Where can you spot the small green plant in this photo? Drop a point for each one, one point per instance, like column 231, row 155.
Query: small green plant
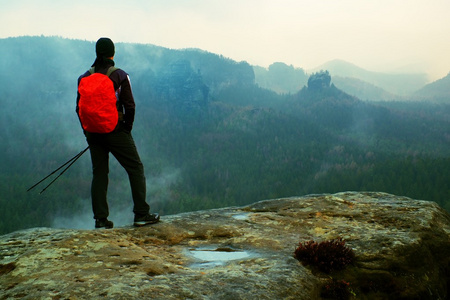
column 326, row 256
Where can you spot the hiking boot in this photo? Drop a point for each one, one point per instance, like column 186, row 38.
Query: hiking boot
column 104, row 223
column 146, row 219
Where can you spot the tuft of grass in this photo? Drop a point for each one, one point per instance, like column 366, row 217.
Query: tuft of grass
column 327, row 256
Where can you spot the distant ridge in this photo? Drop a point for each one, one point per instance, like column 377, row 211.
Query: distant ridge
column 438, row 91
column 362, row 89
column 395, row 83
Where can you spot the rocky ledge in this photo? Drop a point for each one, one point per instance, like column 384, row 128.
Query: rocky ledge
column 401, row 249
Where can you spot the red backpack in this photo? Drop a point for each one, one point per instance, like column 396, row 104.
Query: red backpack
column 98, row 102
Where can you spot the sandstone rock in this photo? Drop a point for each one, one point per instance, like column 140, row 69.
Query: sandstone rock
column 401, row 248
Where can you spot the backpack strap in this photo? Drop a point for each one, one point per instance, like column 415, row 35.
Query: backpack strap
column 108, row 73
column 111, row 70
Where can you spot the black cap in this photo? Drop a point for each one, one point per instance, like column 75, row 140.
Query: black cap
column 104, row 48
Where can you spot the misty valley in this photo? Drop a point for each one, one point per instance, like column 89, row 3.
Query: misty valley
column 213, row 132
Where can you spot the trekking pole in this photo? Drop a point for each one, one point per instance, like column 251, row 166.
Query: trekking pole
column 70, row 162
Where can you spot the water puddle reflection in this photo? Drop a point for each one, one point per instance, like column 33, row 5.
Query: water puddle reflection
column 212, row 257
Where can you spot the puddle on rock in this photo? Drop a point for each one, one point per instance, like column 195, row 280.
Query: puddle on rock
column 209, row 258
column 242, row 216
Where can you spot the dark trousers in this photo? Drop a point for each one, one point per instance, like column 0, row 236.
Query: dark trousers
column 121, row 144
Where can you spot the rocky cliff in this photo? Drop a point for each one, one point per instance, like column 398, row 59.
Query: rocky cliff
column 400, row 245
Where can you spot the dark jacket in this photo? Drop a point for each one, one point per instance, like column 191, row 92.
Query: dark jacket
column 122, row 86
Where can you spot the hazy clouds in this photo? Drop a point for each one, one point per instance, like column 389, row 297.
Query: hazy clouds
column 383, row 35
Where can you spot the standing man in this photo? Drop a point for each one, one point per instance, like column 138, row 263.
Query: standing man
column 117, row 140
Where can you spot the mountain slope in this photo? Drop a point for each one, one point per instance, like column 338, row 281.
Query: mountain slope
column 363, row 90
column 280, row 78
column 437, row 91
column 399, row 84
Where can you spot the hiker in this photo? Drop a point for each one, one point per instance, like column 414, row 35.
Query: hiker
column 116, row 139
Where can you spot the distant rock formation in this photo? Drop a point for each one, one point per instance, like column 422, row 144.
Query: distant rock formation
column 320, row 80
column 401, row 249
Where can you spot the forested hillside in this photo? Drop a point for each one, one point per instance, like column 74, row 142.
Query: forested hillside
column 208, row 135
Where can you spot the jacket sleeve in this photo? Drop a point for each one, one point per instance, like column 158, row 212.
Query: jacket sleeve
column 126, row 99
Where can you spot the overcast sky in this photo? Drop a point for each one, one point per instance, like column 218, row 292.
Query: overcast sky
column 378, row 35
